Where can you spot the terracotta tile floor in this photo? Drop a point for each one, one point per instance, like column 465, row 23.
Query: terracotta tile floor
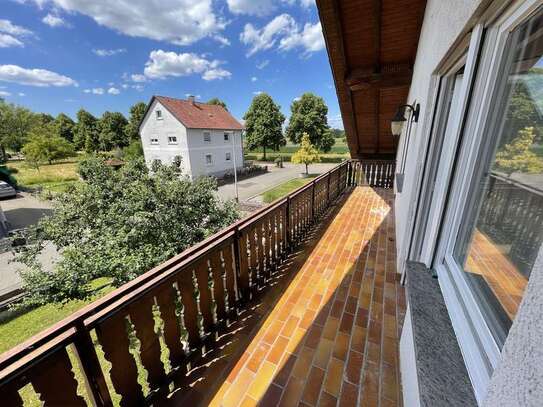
column 327, row 333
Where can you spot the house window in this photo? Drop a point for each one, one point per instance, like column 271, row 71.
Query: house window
column 172, row 140
column 226, row 136
column 502, row 233
column 154, row 140
column 158, row 114
column 209, row 159
column 228, row 156
column 207, row 137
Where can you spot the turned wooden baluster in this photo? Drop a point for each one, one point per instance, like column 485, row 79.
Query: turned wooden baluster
column 190, row 308
column 202, row 277
column 113, row 337
column 243, row 281
column 230, row 277
column 266, row 261
column 273, row 238
column 217, row 272
column 166, row 297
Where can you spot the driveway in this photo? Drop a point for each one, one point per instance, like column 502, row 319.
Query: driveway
column 21, row 212
column 251, row 187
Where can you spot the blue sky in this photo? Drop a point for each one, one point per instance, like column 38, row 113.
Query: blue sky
column 61, row 55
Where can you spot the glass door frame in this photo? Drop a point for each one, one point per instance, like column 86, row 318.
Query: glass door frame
column 480, row 351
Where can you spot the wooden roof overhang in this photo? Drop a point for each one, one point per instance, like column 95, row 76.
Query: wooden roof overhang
column 372, row 45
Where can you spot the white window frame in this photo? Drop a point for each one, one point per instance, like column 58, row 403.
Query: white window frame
column 158, row 114
column 208, row 164
column 207, row 133
column 172, row 142
column 154, row 141
column 480, row 351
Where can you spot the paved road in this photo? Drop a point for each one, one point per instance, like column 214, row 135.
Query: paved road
column 21, row 212
column 259, row 184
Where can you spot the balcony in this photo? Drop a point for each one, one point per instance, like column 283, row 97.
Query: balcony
column 298, row 304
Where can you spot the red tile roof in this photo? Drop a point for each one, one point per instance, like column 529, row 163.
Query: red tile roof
column 200, row 115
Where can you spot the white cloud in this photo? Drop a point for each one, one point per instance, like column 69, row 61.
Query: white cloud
column 310, row 39
column 95, row 91
column 296, row 99
column 108, row 52
column 125, row 85
column 284, row 30
column 34, row 77
column 139, row 88
column 4, row 94
column 180, row 22
column 263, row 64
column 254, row 79
column 307, row 3
column 8, row 27
column 11, row 35
column 162, row 64
column 258, row 92
column 7, row 41
column 138, row 77
column 191, row 94
column 21, row 94
column 113, row 91
column 222, row 40
column 266, row 37
column 252, row 7
column 54, row 20
column 335, row 121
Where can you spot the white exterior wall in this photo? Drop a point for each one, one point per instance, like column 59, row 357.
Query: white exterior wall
column 190, row 145
column 217, row 147
column 162, row 129
column 443, row 23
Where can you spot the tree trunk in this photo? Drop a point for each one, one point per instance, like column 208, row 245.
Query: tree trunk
column 264, row 150
column 307, row 169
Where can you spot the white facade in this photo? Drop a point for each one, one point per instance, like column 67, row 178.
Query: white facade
column 164, row 138
column 456, row 80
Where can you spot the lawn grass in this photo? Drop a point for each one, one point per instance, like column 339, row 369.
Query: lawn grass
column 284, row 188
column 54, row 177
column 338, row 153
column 18, row 326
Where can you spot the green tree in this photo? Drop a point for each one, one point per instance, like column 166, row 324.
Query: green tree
column 15, row 124
column 43, row 118
column 217, row 101
column 523, row 111
column 133, row 151
column 111, row 131
column 64, row 126
column 264, row 124
column 86, row 132
column 137, row 111
column 44, row 146
column 309, row 115
column 517, row 156
column 306, row 154
column 119, row 224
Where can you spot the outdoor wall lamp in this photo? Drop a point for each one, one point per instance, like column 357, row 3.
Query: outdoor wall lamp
column 396, row 126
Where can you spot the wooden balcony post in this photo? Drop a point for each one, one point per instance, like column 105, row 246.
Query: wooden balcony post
column 86, row 352
column 287, row 223
column 312, row 201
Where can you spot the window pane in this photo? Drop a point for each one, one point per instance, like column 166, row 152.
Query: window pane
column 500, row 244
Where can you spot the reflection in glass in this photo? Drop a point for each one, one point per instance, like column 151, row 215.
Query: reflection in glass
column 506, row 232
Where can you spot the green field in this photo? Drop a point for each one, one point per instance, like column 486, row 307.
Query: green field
column 338, row 153
column 55, row 177
column 285, row 188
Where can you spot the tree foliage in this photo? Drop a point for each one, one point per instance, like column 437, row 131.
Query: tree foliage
column 264, row 124
column 86, row 132
column 217, row 101
column 44, row 146
column 133, row 151
column 306, row 154
column 111, row 131
column 15, row 124
column 119, row 224
column 137, row 111
column 64, row 127
column 309, row 115
column 517, row 155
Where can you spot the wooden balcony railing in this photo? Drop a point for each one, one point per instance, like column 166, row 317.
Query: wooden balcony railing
column 375, row 173
column 194, row 295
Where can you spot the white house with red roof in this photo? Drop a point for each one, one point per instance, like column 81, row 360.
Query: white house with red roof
column 207, row 138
